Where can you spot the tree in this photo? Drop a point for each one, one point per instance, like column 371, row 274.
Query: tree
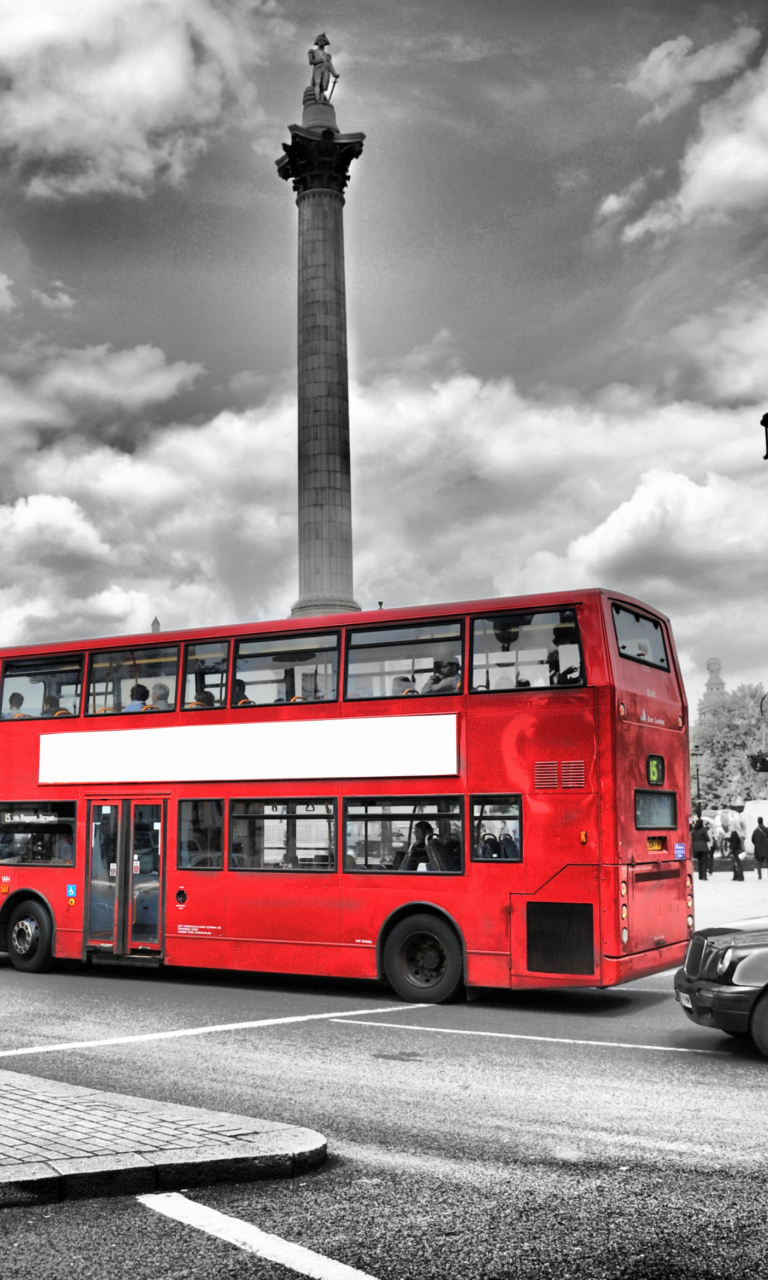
column 727, row 735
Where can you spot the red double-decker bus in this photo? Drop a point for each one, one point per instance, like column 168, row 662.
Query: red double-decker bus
column 494, row 792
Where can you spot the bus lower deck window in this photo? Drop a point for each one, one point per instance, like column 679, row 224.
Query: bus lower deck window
column 201, row 834
column 497, row 829
column 402, row 835
column 526, row 651
column 38, row 832
column 282, row 835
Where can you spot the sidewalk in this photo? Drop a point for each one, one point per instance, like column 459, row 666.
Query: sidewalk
column 720, row 899
column 59, row 1140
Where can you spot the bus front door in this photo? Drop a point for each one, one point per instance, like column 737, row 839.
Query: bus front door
column 126, row 846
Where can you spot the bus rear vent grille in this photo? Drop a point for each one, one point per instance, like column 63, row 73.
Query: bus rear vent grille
column 560, row 937
column 572, row 773
column 545, row 773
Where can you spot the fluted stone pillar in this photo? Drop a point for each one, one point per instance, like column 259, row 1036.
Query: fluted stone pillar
column 317, row 161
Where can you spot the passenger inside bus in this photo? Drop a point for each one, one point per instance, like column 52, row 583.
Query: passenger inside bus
column 139, row 696
column 52, row 707
column 240, row 697
column 160, row 695
column 203, row 702
column 445, row 678
column 15, row 703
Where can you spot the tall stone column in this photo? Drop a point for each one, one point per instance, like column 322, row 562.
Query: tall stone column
column 317, row 161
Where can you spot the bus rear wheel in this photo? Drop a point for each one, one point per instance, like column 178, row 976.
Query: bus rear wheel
column 422, row 959
column 29, row 938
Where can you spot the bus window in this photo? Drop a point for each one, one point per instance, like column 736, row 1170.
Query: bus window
column 496, row 829
column 396, row 661
column 655, row 809
column 282, row 835
column 38, row 833
column 133, row 680
column 525, row 651
column 640, row 638
column 295, row 668
column 42, row 688
column 404, row 835
column 201, row 834
column 205, row 676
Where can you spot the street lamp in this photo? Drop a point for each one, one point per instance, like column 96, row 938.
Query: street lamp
column 697, row 753
column 759, row 761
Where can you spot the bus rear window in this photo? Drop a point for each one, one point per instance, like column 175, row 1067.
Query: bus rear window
column 655, row 809
column 640, row 638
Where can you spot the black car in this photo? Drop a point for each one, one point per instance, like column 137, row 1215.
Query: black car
column 724, row 981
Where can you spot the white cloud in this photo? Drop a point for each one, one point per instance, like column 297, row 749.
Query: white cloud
column 58, row 301
column 725, row 168
column 729, row 345
column 50, row 384
column 462, row 488
column 7, row 300
column 669, row 75
column 116, row 95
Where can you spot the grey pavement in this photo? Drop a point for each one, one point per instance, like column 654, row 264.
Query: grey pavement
column 59, row 1141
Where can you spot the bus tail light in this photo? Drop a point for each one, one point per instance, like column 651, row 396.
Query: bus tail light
column 689, row 900
column 624, row 912
column 690, row 922
column 623, row 888
column 625, row 935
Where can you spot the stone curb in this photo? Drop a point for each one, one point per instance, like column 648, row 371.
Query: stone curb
column 282, row 1154
column 235, row 1148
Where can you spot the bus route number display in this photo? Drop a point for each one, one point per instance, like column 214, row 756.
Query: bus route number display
column 654, row 771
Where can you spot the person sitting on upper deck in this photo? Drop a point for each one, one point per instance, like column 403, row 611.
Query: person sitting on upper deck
column 139, row 696
column 160, row 694
column 403, row 685
column 52, row 708
column 445, row 678
column 15, row 703
column 203, row 701
column 240, row 697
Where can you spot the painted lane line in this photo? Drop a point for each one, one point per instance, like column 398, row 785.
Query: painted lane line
column 245, row 1236
column 197, row 1031
column 510, row 1035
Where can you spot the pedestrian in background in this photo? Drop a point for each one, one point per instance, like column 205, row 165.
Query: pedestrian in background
column 734, row 843
column 760, row 842
column 700, row 847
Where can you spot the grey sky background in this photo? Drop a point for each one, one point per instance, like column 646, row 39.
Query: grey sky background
column 557, row 283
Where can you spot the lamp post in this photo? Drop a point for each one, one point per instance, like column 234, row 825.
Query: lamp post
column 697, row 753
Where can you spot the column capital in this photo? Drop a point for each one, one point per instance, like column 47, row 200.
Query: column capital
column 318, row 161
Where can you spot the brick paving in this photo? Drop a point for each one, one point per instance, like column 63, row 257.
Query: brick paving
column 59, row 1140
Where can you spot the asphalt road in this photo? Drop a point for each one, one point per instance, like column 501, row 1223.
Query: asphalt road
column 563, row 1134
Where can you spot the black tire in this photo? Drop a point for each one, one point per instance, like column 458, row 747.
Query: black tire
column 758, row 1024
column 29, row 938
column 422, row 959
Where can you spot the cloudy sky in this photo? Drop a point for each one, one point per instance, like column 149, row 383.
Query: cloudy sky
column 557, row 276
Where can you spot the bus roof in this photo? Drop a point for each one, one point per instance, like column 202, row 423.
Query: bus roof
column 496, row 604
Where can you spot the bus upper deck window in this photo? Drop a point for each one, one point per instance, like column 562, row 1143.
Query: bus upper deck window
column 640, row 638
column 205, row 675
column 395, row 662
column 293, row 668
column 133, row 680
column 526, row 651
column 44, row 688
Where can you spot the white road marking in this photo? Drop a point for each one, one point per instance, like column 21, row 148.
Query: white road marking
column 245, row 1236
column 511, row 1035
column 197, row 1031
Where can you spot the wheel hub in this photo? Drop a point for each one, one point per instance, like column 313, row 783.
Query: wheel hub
column 425, row 961
column 25, row 936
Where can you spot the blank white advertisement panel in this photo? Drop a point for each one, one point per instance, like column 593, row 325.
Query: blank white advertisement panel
column 387, row 746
